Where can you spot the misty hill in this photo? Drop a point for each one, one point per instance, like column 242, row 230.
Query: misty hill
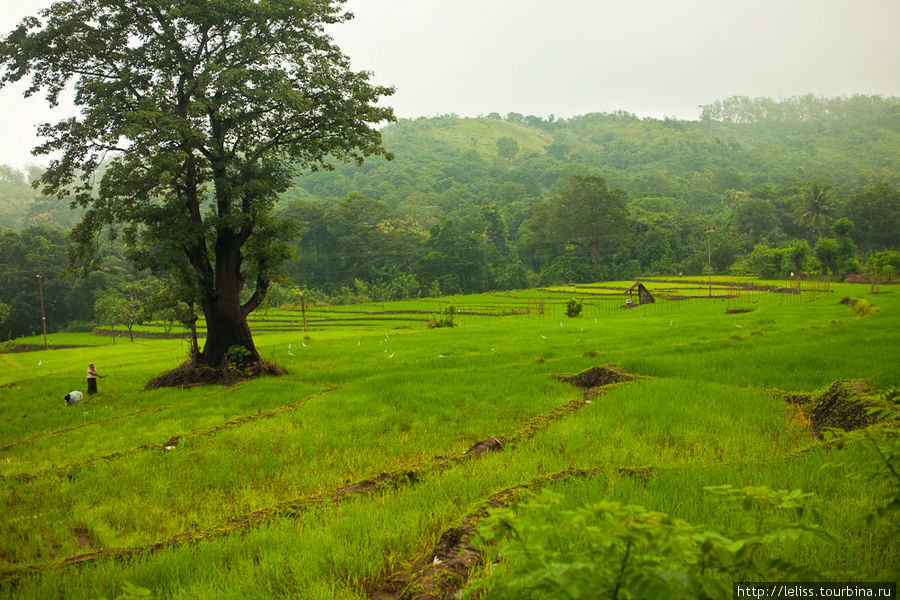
column 447, row 162
column 754, row 187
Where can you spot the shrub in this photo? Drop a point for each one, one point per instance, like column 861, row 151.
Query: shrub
column 237, row 355
column 573, row 308
column 447, row 318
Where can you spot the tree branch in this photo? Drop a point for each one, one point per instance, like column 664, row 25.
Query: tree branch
column 259, row 294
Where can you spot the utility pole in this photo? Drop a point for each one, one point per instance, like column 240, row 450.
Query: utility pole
column 40, row 278
column 303, row 309
column 709, row 258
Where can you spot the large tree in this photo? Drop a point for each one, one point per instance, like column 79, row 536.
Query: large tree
column 591, row 216
column 195, row 115
column 875, row 211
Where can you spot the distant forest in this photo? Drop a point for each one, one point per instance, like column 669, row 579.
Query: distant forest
column 808, row 185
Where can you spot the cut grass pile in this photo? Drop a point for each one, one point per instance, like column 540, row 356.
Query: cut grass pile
column 268, row 478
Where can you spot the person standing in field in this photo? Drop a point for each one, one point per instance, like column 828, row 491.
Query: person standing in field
column 92, row 376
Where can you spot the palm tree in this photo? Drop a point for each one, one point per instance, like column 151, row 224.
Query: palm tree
column 816, row 208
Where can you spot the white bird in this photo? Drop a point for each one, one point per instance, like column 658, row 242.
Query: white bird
column 544, row 336
column 40, row 362
column 441, row 356
column 391, row 356
column 302, row 344
column 736, row 325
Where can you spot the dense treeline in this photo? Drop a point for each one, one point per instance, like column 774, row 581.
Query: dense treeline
column 756, row 186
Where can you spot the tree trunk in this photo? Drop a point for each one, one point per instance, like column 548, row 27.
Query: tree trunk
column 226, row 324
column 226, row 317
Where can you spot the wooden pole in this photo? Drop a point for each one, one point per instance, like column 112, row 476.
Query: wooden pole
column 303, row 309
column 709, row 258
column 40, row 278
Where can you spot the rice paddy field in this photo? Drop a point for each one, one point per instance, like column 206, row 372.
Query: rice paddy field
column 346, row 476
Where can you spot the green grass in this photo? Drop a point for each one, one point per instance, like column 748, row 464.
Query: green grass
column 376, row 396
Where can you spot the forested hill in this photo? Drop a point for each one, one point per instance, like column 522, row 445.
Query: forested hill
column 446, row 164
column 807, row 185
column 739, row 144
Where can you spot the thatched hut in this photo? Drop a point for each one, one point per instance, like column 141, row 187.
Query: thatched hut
column 644, row 295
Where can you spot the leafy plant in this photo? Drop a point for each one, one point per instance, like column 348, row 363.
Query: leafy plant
column 573, row 308
column 447, row 318
column 237, row 356
column 608, row 550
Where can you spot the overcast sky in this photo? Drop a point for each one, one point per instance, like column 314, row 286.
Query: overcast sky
column 654, row 58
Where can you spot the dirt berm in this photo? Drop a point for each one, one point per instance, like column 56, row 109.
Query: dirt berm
column 597, row 376
column 843, row 406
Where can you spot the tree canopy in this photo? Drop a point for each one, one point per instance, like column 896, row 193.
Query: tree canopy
column 194, row 118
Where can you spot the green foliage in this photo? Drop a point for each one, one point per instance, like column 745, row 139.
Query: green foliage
column 798, row 254
column 875, row 212
column 192, row 122
column 133, row 592
column 569, row 267
column 237, row 356
column 768, row 263
column 815, row 208
column 604, row 549
column 826, row 252
column 743, row 109
column 860, row 306
column 883, row 439
column 696, row 172
column 573, row 308
column 447, row 318
column 725, row 247
column 23, row 255
column 21, row 206
column 450, row 215
column 127, row 308
column 842, row 227
column 886, row 258
column 354, row 238
column 507, row 147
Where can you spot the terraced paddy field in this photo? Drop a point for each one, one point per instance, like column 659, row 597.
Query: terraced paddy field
column 365, row 471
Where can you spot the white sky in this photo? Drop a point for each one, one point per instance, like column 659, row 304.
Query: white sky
column 568, row 57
